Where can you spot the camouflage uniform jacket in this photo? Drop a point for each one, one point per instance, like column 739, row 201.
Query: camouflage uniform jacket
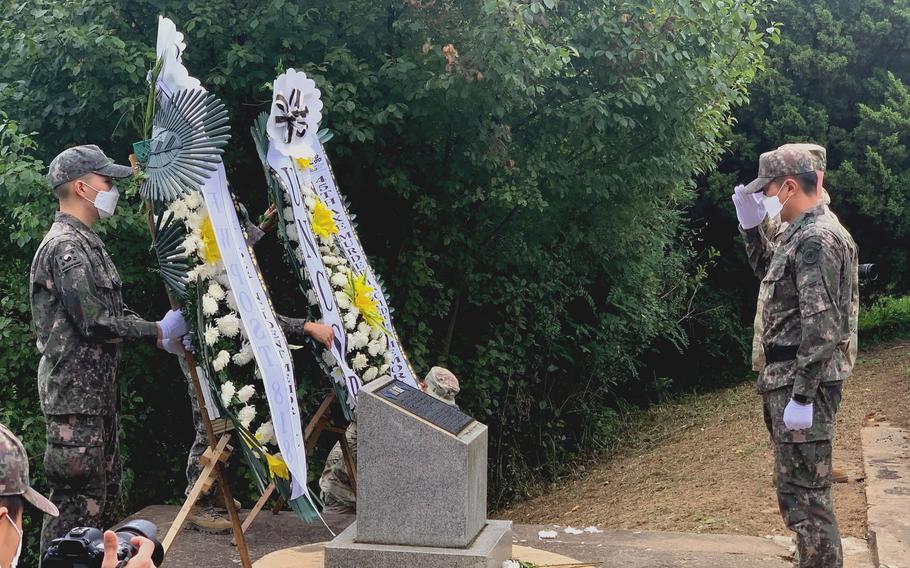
column 773, row 229
column 79, row 317
column 811, row 278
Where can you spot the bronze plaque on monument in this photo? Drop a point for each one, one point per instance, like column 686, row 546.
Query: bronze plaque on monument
column 420, row 404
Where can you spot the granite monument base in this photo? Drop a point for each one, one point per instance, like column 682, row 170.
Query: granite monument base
column 489, row 549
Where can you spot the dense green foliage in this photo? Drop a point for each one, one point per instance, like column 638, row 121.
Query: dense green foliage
column 520, row 169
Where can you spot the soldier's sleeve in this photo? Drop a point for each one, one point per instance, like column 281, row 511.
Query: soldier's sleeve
column 818, row 264
column 292, row 328
column 758, row 248
column 86, row 305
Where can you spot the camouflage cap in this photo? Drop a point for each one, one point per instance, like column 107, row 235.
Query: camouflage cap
column 77, row 161
column 442, row 384
column 787, row 160
column 14, row 473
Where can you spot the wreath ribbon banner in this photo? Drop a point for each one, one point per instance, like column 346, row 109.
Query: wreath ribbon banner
column 313, row 264
column 270, row 348
column 323, row 182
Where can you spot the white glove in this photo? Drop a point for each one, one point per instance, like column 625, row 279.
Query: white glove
column 172, row 325
column 173, row 345
column 798, row 416
column 750, row 210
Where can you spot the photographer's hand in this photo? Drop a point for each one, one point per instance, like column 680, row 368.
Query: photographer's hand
column 143, row 558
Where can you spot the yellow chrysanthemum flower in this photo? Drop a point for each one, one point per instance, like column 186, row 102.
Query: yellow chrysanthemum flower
column 304, row 163
column 210, row 252
column 277, row 466
column 361, row 296
column 323, row 222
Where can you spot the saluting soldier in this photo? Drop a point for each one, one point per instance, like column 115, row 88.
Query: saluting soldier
column 81, row 322
column 810, row 279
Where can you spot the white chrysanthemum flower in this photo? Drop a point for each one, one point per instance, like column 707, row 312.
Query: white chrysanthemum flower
column 327, row 240
column 292, row 233
column 364, row 327
column 338, row 279
column 308, row 192
column 221, row 360
column 193, row 200
column 328, row 358
column 244, row 356
column 231, row 300
column 246, row 415
column 227, row 393
column 376, row 332
column 384, row 368
column 229, row 325
column 361, row 340
column 221, row 275
column 370, row 374
column 374, row 348
column 189, row 245
column 343, row 301
column 387, row 357
column 324, row 250
column 288, row 214
column 265, row 433
column 211, row 335
column 193, row 274
column 209, row 305
column 350, row 320
column 311, row 297
column 329, row 260
column 193, row 222
column 246, row 393
column 179, row 209
column 359, row 362
column 216, row 291
column 310, row 202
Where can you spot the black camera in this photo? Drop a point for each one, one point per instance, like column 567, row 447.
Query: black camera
column 868, row 272
column 83, row 547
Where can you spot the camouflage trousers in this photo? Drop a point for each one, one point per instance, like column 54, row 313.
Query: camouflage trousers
column 200, row 443
column 83, row 468
column 335, row 487
column 803, row 471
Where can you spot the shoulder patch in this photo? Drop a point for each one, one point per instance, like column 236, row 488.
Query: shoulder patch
column 68, row 260
column 811, row 251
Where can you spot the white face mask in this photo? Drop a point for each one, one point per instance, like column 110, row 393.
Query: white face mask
column 105, row 201
column 773, row 205
column 15, row 561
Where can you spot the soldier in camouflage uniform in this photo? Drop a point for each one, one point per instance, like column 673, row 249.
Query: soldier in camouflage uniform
column 812, row 280
column 337, row 494
column 14, row 491
column 81, row 323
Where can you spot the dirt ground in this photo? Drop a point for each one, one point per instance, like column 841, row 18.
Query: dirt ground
column 704, row 463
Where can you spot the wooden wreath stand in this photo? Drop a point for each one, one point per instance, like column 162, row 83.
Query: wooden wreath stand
column 318, row 425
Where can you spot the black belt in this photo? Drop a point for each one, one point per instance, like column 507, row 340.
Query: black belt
column 780, row 353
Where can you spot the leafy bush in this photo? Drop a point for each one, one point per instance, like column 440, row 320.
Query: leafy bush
column 887, row 318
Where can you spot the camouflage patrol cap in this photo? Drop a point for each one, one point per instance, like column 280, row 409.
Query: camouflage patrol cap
column 77, row 161
column 442, row 385
column 819, row 154
column 787, row 160
column 14, row 473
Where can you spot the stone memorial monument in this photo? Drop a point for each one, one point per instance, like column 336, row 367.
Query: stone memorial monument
column 421, row 487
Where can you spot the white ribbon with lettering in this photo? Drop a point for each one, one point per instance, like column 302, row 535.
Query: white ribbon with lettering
column 273, row 358
column 323, row 181
column 331, row 314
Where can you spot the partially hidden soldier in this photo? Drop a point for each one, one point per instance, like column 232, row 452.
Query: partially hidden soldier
column 206, row 514
column 81, row 323
column 774, row 228
column 336, row 490
column 811, row 283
